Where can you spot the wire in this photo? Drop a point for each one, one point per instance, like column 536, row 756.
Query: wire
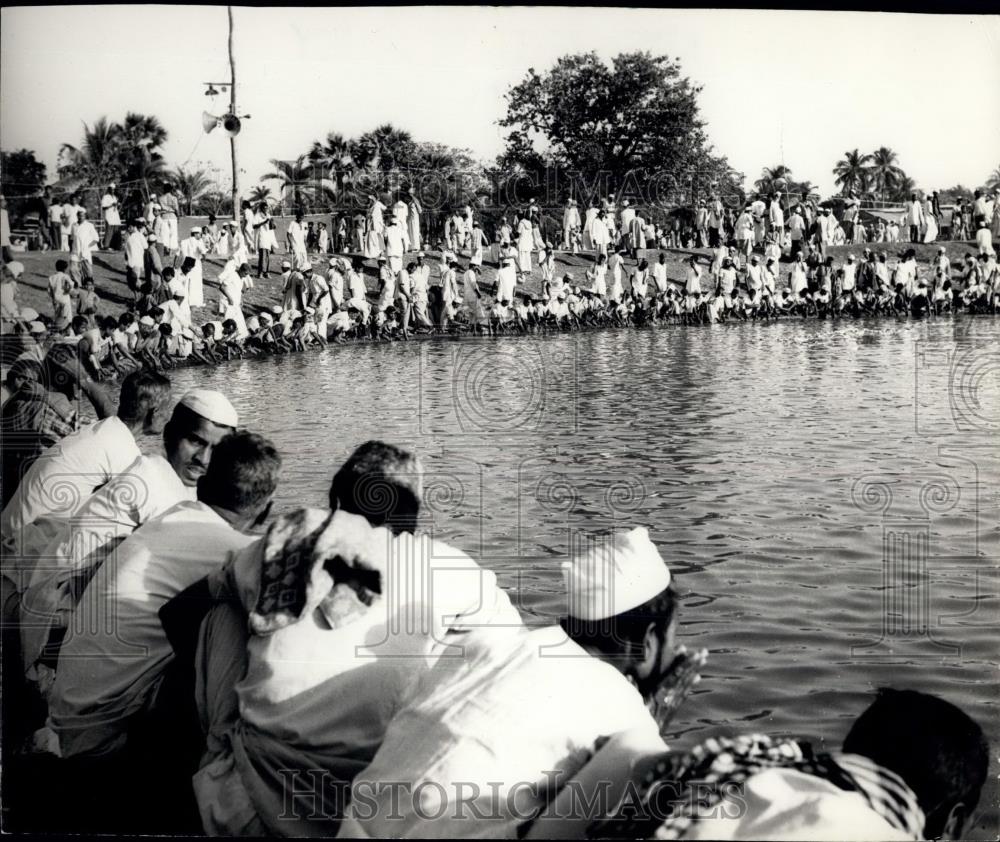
column 195, row 149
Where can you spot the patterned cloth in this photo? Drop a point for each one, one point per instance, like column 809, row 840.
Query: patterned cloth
column 33, row 420
column 687, row 786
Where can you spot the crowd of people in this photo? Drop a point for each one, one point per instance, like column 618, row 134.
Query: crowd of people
column 769, row 260
column 180, row 658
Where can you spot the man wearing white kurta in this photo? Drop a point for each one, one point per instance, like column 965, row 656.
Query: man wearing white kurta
column 715, row 217
column 420, row 280
column 135, row 258
column 588, row 220
column 599, row 234
column 525, row 242
column 85, row 242
column 297, row 243
column 571, row 222
column 477, row 244
column 627, row 215
column 395, row 244
column 914, row 217
column 170, row 211
column 758, row 209
column 335, row 282
column 193, row 246
column 483, row 736
column 413, row 223
column 506, row 281
column 142, row 491
column 101, row 683
column 61, row 480
column 112, row 219
column 777, row 218
column 358, row 291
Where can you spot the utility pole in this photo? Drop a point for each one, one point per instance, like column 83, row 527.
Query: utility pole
column 232, row 110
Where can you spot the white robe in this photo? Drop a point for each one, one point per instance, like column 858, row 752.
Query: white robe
column 414, row 225
column 297, row 236
column 191, row 247
column 232, row 283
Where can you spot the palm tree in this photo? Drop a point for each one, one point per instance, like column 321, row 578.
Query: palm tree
column 297, row 179
column 768, row 177
column 192, row 185
column 902, row 188
column 334, row 157
column 260, row 193
column 95, row 162
column 392, row 147
column 852, row 172
column 993, row 182
column 884, row 169
column 140, row 139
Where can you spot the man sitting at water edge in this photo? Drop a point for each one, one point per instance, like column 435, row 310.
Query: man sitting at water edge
column 486, row 740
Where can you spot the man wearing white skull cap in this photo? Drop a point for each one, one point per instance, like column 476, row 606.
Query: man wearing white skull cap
column 521, row 705
column 80, row 541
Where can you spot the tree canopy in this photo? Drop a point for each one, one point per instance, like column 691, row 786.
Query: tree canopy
column 627, row 127
column 21, row 173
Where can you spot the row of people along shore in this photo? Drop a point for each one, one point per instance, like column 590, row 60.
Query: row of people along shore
column 179, row 658
column 766, row 271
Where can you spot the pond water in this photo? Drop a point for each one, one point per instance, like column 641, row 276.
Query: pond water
column 826, row 495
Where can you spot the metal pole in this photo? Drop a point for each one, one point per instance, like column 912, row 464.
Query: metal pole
column 232, row 110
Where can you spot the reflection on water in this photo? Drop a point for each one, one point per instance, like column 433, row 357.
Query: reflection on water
column 825, row 494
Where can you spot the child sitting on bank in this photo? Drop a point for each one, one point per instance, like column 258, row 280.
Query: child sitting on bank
column 343, row 322
column 231, row 339
column 294, row 335
column 204, row 349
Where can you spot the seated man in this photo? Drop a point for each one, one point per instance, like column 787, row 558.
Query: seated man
column 486, row 739
column 109, row 672
column 59, row 482
column 316, row 686
column 911, row 767
column 144, row 490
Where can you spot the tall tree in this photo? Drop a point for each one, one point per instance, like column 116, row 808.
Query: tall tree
column 127, row 153
column 773, row 178
column 296, row 180
column 618, row 126
column 902, row 188
column 851, row 172
column 95, row 162
column 441, row 177
column 192, row 185
column 140, row 139
column 886, row 171
column 260, row 193
column 334, row 159
column 21, row 174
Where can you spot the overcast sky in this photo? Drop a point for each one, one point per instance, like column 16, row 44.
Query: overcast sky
column 797, row 88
